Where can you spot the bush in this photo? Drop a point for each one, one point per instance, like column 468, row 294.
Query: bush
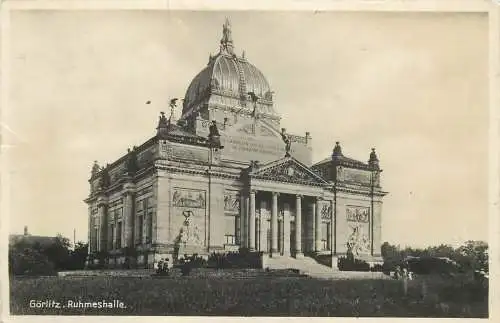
column 242, row 259
column 350, row 263
column 30, row 262
column 430, row 265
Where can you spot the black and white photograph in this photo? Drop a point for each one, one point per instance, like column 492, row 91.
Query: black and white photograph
column 248, row 162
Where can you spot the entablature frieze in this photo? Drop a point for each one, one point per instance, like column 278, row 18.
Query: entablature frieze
column 293, row 189
column 359, row 191
column 301, row 184
column 199, row 172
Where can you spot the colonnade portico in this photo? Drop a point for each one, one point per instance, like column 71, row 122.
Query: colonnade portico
column 286, row 231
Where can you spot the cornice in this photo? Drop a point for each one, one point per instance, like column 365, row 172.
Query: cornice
column 297, row 182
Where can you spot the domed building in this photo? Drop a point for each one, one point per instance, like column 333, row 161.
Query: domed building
column 226, row 176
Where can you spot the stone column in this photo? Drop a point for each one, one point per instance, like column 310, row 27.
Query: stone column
column 317, row 226
column 263, row 227
column 128, row 217
column 251, row 239
column 247, row 221
column 274, row 225
column 90, row 228
column 102, row 223
column 286, row 230
column 241, row 238
column 298, row 226
column 115, row 229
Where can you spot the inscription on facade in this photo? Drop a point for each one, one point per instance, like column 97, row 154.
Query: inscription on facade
column 188, row 198
column 358, row 214
column 248, row 144
column 189, row 154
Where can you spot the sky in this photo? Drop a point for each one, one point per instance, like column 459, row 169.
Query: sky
column 412, row 85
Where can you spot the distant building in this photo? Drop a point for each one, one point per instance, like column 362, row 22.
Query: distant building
column 226, row 175
column 28, row 239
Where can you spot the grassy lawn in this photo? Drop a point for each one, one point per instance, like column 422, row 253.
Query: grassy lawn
column 254, row 295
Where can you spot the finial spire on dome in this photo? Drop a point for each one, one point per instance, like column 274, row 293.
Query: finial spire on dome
column 226, row 43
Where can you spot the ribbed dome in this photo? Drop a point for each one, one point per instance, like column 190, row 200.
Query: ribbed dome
column 223, row 75
column 228, row 75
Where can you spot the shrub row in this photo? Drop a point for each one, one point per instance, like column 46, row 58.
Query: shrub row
column 349, row 263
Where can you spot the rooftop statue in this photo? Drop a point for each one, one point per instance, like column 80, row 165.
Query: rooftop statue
column 214, row 135
column 95, row 168
column 288, row 143
column 173, row 105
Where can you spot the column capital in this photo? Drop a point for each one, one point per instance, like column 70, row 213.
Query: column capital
column 277, row 194
column 128, row 188
column 299, row 196
column 101, row 201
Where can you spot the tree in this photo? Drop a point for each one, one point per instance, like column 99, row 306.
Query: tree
column 59, row 252
column 473, row 255
column 78, row 256
column 25, row 260
column 389, row 251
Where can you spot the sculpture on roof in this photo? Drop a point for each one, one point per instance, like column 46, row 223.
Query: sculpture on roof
column 337, row 150
column 287, row 141
column 95, row 168
column 105, row 179
column 373, row 161
column 214, row 135
column 173, row 105
column 226, row 43
column 132, row 163
column 163, row 123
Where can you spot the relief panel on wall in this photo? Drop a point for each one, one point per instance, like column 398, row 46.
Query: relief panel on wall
column 358, row 224
column 356, row 176
column 231, row 201
column 188, row 198
column 189, row 215
column 326, row 211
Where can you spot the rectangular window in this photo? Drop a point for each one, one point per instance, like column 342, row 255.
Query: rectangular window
column 119, row 235
column 149, row 228
column 237, row 224
column 139, row 229
column 111, row 236
column 149, row 202
column 140, row 205
column 96, row 238
column 230, row 229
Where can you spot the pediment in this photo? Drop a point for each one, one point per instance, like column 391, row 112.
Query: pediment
column 288, row 169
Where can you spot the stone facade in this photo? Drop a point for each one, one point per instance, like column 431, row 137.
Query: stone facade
column 225, row 176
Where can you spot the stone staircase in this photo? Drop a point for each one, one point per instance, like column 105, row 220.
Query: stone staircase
column 308, row 266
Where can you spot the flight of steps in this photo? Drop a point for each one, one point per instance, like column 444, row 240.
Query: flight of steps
column 308, row 266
